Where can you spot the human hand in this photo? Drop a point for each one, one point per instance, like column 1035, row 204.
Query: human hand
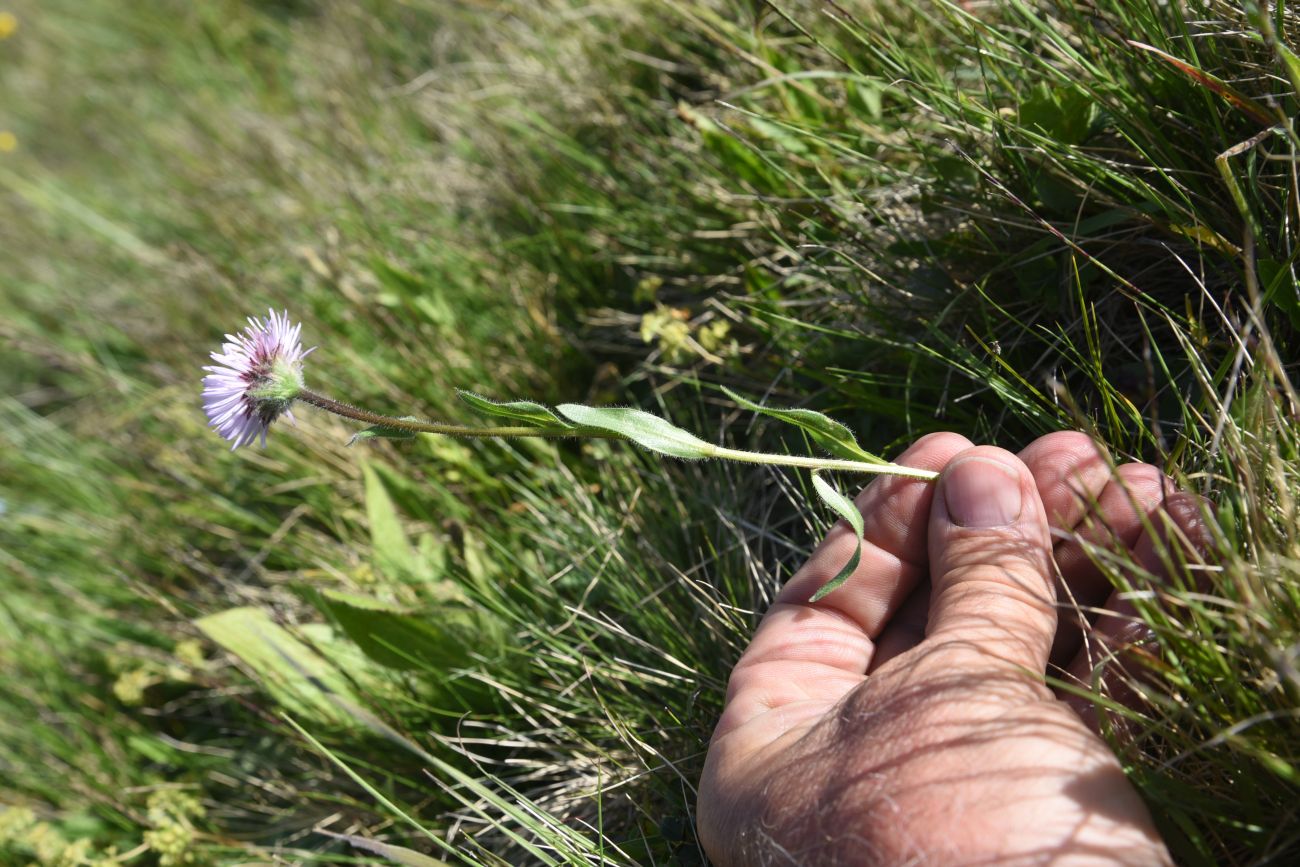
column 904, row 718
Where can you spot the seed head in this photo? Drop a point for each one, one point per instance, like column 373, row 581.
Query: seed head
column 257, row 376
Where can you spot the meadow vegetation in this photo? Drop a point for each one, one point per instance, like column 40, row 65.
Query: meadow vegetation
column 995, row 218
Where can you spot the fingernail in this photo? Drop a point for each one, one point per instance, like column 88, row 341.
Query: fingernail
column 981, row 492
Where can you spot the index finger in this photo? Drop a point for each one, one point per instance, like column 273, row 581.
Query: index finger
column 895, row 516
column 802, row 649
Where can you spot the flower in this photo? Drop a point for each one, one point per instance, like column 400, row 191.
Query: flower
column 257, row 376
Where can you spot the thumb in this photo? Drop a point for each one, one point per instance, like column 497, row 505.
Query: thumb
column 991, row 560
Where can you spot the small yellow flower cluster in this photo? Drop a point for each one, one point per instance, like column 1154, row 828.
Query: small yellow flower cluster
column 172, row 844
column 130, row 686
column 189, row 652
column 172, row 812
column 46, row 843
column 680, row 339
column 20, row 830
column 136, row 675
column 8, row 24
column 75, row 854
column 167, row 806
column 14, row 823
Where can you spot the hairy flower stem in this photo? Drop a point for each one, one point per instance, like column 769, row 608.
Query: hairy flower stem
column 348, row 411
column 306, row 395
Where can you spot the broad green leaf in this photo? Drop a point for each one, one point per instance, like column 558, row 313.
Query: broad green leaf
column 650, row 431
column 845, row 508
column 1065, row 113
column 340, row 652
column 518, row 410
column 825, row 431
column 292, row 673
column 394, row 555
column 385, row 432
column 439, row 639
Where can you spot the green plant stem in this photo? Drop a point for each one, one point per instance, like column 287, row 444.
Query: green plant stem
column 824, row 464
column 347, row 410
column 721, row 452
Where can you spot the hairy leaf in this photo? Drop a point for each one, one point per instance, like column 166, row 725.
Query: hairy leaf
column 518, row 410
column 385, row 432
column 825, row 431
column 651, row 431
column 846, row 509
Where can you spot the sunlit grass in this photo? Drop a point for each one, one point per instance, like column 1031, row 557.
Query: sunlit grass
column 1000, row 219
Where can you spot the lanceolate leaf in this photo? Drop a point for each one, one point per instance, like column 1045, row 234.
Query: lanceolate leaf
column 384, row 431
column 518, row 410
column 650, row 431
column 394, row 555
column 825, row 431
column 293, row 674
column 407, row 640
column 845, row 508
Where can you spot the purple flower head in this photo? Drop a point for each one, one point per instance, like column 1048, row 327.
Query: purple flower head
column 257, row 375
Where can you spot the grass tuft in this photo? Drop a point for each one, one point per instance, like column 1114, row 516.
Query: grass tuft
column 1001, row 219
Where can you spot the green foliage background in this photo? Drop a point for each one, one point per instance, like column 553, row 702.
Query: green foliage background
column 1001, row 219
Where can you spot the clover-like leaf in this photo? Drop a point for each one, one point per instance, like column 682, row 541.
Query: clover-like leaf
column 383, row 431
column 845, row 508
column 517, row 410
column 642, row 428
column 825, row 431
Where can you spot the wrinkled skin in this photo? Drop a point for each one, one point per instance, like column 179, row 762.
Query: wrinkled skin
column 904, row 718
